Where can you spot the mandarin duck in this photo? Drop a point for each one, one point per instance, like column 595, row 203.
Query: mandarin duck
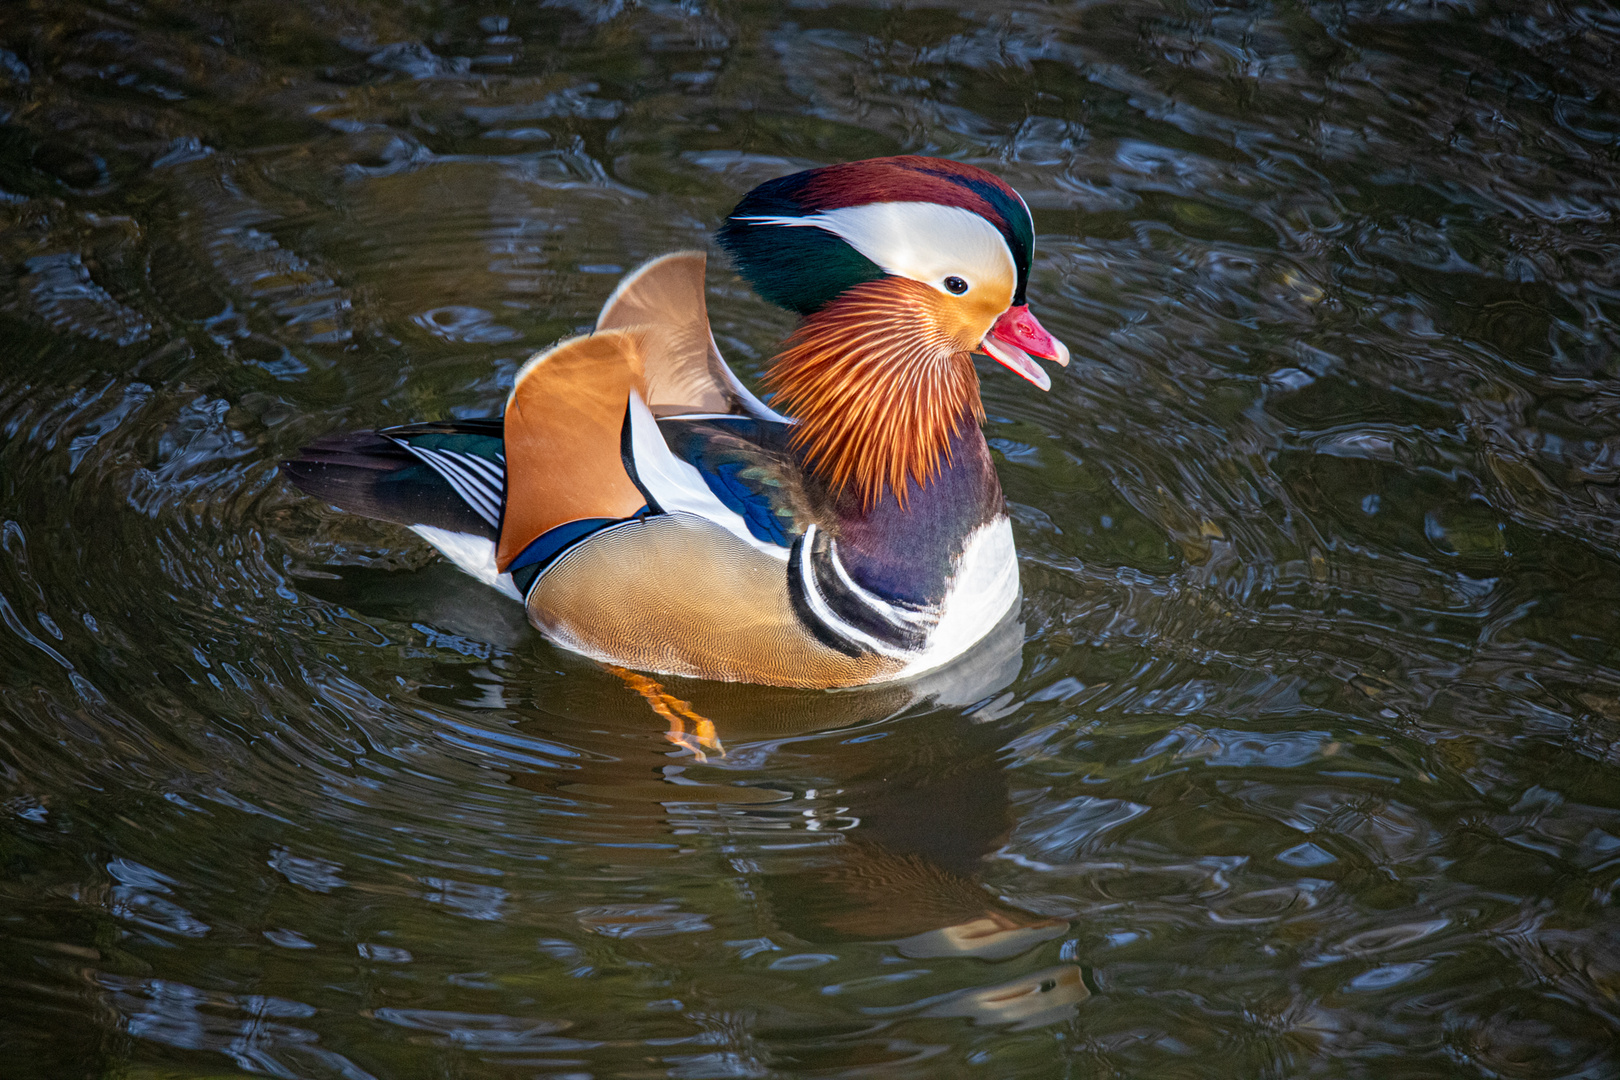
column 654, row 514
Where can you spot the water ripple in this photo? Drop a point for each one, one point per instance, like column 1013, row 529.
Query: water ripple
column 1302, row 757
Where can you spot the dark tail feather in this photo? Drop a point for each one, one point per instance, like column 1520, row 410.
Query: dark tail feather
column 364, row 473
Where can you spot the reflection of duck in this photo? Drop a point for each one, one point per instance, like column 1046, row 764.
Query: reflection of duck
column 652, row 512
column 1045, row 997
column 926, row 813
column 910, row 799
column 855, row 816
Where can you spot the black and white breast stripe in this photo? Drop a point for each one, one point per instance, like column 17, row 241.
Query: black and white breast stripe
column 844, row 615
column 481, row 483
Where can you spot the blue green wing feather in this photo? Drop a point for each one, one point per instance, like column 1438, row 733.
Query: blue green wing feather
column 748, row 465
column 470, row 455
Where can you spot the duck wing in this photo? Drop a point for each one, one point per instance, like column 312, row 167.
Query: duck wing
column 747, row 465
column 584, row 426
column 443, row 480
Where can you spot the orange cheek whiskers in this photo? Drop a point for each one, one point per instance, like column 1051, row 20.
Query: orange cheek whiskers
column 880, row 386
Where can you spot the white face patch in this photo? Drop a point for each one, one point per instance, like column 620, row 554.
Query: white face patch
column 923, row 241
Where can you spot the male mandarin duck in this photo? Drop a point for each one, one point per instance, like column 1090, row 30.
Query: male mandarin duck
column 652, row 513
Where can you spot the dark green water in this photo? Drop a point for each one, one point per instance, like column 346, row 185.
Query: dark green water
column 1303, row 760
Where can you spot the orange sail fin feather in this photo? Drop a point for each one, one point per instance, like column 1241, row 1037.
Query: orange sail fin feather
column 880, row 396
column 665, row 300
column 667, row 303
column 563, row 421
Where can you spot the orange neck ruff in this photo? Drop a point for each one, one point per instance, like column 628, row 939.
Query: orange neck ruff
column 880, row 386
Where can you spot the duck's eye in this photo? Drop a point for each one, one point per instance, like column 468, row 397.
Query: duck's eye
column 955, row 285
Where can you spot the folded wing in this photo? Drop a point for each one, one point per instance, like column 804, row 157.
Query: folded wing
column 581, row 411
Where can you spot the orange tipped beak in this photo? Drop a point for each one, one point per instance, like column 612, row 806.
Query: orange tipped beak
column 1017, row 337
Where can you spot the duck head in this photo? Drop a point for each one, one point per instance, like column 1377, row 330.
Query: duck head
column 902, row 267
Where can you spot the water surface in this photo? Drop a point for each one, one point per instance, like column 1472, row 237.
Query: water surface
column 1301, row 760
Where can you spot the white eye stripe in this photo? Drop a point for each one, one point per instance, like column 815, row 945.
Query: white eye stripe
column 923, row 241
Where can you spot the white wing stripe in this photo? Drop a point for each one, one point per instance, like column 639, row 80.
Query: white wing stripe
column 473, row 489
column 467, row 485
column 478, row 464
